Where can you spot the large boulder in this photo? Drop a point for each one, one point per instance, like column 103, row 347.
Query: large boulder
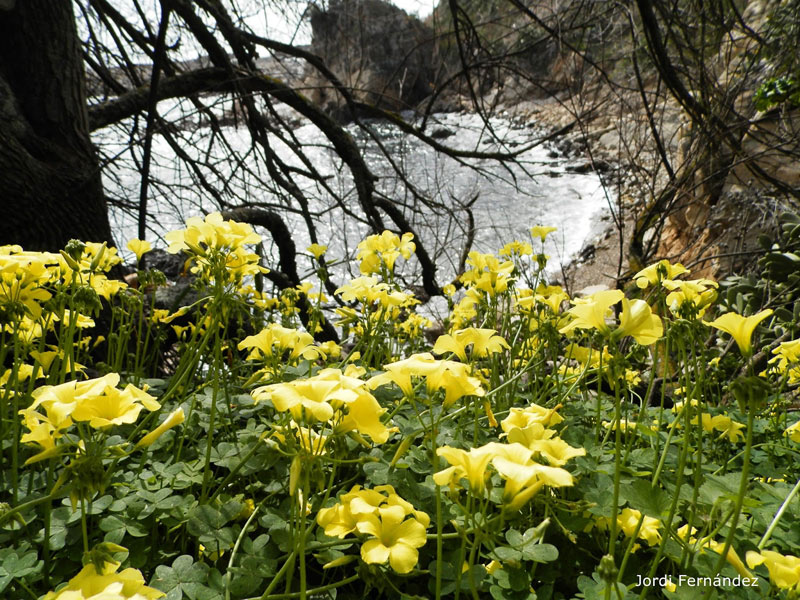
column 378, row 51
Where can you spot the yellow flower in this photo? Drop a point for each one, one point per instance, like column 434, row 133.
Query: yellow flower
column 740, row 328
column 658, row 272
column 542, row 232
column 628, row 519
column 516, row 247
column 88, row 584
column 337, row 521
column 329, row 396
column 488, row 273
column 113, row 406
column 591, row 313
column 555, row 450
column 368, row 291
column 451, row 376
column 317, row 250
column 394, row 539
column 175, row 418
column 384, row 248
column 274, row 337
column 784, row 571
column 483, row 341
column 139, row 248
column 524, row 478
column 95, row 400
column 690, row 298
column 551, row 295
column 793, row 431
column 639, row 322
column 465, row 465
column 520, row 418
column 786, row 361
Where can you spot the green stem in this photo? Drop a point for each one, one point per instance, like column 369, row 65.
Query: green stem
column 235, row 550
column 778, row 516
column 743, row 482
column 314, row 591
column 278, row 576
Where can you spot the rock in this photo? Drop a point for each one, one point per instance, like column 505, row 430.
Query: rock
column 169, row 264
column 585, row 167
column 442, row 133
column 383, row 55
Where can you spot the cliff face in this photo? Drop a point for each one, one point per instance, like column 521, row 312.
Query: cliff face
column 385, row 56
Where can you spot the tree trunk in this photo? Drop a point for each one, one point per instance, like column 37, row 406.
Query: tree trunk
column 50, row 185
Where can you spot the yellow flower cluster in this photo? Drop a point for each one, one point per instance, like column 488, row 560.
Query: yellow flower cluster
column 637, row 319
column 483, row 342
column 513, row 462
column 786, row 361
column 528, row 426
column 96, row 401
column 453, row 377
column 380, row 514
column 384, row 249
column 275, row 340
column 487, row 274
column 206, row 240
column 331, row 396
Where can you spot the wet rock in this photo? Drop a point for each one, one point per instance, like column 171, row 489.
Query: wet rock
column 442, row 133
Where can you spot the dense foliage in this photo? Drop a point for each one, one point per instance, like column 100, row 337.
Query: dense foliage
column 541, row 447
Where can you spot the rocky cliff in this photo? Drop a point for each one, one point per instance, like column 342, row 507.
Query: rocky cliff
column 382, row 54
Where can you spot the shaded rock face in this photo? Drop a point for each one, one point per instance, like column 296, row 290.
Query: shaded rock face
column 377, row 50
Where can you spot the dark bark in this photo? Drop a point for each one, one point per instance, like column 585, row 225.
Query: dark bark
column 51, row 188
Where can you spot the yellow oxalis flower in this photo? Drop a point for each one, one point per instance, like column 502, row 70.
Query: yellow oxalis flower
column 274, row 339
column 793, row 431
column 88, row 584
column 523, row 477
column 465, row 465
column 639, row 322
column 483, row 341
column 139, row 248
column 707, row 542
column 369, row 291
column 317, row 250
column 329, row 396
column 385, row 248
column 591, row 313
column 628, row 519
column 342, row 518
column 740, row 328
column 95, row 400
column 175, row 418
column 786, row 361
column 516, row 247
column 488, row 273
column 542, row 232
column 448, row 375
column 394, row 539
column 521, row 418
column 690, row 298
column 725, row 425
column 784, row 571
column 658, row 272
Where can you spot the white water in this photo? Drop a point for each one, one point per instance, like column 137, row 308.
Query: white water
column 536, row 190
